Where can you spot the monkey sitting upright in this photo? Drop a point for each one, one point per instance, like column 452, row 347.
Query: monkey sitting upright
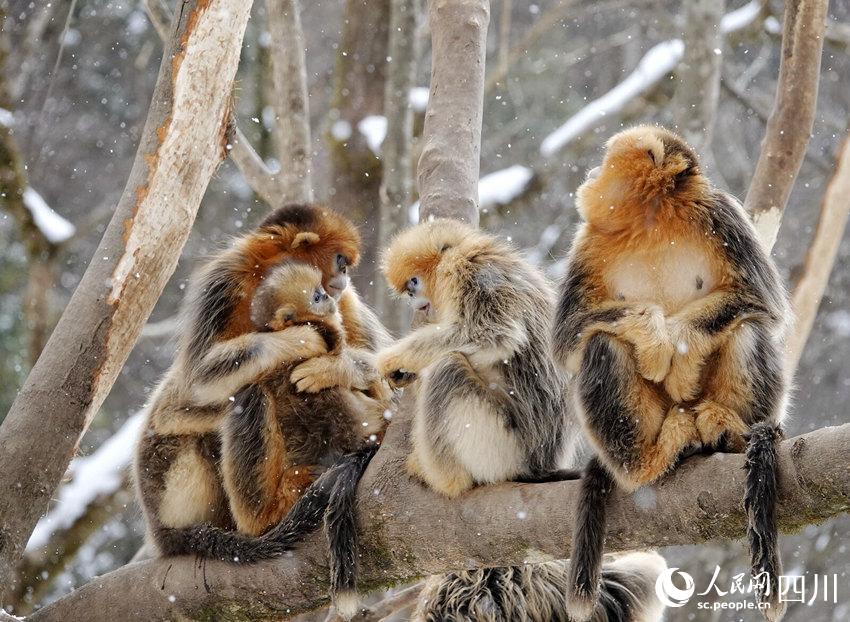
column 491, row 407
column 276, row 440
column 177, row 464
column 672, row 317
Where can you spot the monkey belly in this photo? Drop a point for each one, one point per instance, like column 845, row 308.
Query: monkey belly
column 670, row 276
column 481, row 442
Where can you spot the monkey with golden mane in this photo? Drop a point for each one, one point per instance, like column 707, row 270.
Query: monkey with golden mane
column 178, row 463
column 491, row 407
column 672, row 317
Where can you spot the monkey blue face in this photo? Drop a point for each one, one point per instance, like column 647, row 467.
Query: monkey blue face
column 415, row 289
column 339, row 281
column 321, row 303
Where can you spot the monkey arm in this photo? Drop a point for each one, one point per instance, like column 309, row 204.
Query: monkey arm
column 353, row 368
column 231, row 364
column 420, row 349
column 701, row 328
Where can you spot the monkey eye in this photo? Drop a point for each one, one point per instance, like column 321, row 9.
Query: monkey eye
column 341, row 264
column 317, row 296
column 412, row 285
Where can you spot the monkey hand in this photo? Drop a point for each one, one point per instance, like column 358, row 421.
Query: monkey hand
column 321, row 372
column 683, row 382
column 299, row 342
column 391, row 365
column 644, row 327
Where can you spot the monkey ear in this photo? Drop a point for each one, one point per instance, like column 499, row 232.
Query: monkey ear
column 305, row 238
column 286, row 313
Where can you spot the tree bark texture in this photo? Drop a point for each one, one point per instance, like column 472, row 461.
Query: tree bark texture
column 396, row 160
column 790, row 123
column 451, row 139
column 408, row 531
column 182, row 144
column 292, row 112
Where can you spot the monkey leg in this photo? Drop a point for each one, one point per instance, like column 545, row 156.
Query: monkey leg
column 260, row 486
column 747, row 386
column 451, row 451
column 627, row 417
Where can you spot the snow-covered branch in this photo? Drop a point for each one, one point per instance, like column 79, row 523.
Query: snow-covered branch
column 790, row 123
column 90, row 477
column 657, row 63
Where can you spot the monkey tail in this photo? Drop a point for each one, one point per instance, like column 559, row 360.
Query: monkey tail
column 535, row 593
column 341, row 532
column 303, row 519
column 583, row 584
column 760, row 500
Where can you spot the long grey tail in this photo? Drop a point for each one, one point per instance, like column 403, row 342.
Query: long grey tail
column 583, row 585
column 535, row 592
column 341, row 531
column 303, row 519
column 760, row 500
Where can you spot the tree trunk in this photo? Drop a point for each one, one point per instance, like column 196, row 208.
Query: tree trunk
column 292, row 112
column 408, row 531
column 397, row 174
column 451, row 138
column 359, row 93
column 790, row 123
column 183, row 142
column 821, row 255
column 698, row 90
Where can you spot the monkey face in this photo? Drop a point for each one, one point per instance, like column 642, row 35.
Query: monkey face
column 415, row 289
column 321, row 303
column 317, row 236
column 339, row 279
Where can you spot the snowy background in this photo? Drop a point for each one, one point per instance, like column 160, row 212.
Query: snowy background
column 576, row 72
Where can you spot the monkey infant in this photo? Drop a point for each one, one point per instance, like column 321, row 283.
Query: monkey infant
column 276, row 439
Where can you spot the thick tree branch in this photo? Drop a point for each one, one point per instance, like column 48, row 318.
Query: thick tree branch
column 790, row 123
column 292, row 122
column 451, row 138
column 409, row 531
column 821, row 255
column 182, row 144
column 257, row 175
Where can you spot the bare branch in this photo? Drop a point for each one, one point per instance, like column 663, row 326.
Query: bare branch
column 790, row 123
column 451, row 138
column 821, row 255
column 408, row 531
column 292, row 124
column 257, row 175
column 182, row 144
